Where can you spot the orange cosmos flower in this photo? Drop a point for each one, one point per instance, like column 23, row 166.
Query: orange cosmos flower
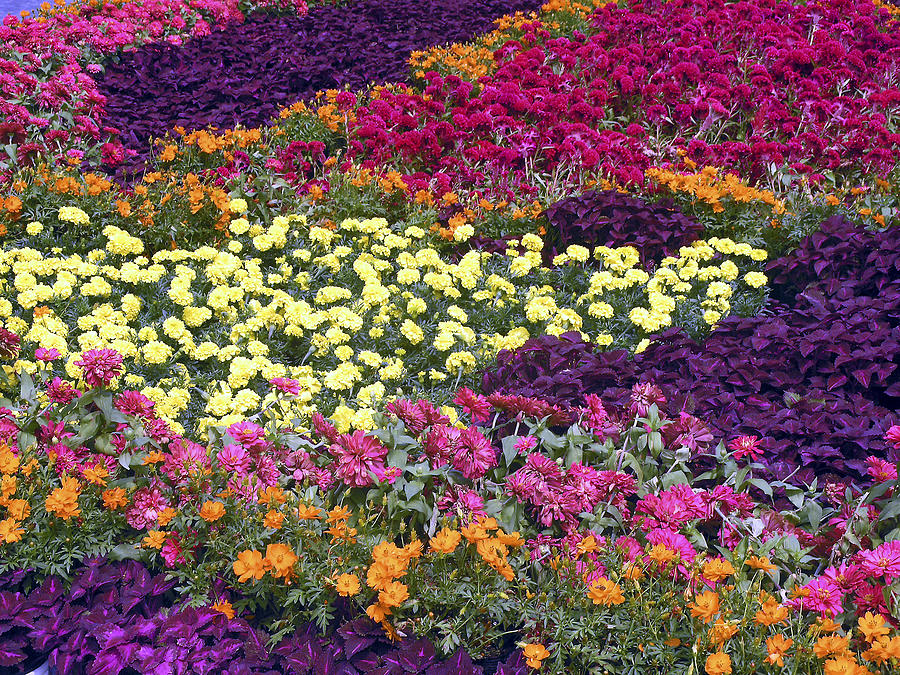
column 340, row 532
column 225, row 607
column 9, row 462
column 777, row 647
column 18, row 509
column 535, row 655
column 305, row 512
column 445, row 541
column 347, row 585
column 718, row 664
column 249, row 565
column 10, row 531
column 211, row 511
column 272, row 495
column 154, row 457
column 721, row 632
column 474, row 532
column 760, row 563
column 377, row 612
column 63, row 501
column 338, row 514
column 166, row 515
column 586, row 545
column 844, row 665
column 633, row 572
column 873, row 626
column 512, row 539
column 705, row 606
column 717, row 570
column 771, row 614
column 154, row 539
column 281, row 558
column 662, row 555
column 114, row 498
column 273, row 519
column 830, row 645
column 394, row 594
column 96, row 475
column 605, row 592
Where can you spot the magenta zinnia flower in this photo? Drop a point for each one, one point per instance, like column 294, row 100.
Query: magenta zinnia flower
column 9, row 344
column 61, row 391
column 135, row 403
column 474, row 454
column 285, row 385
column 474, row 404
column 882, row 561
column 100, row 366
column 356, row 456
column 42, row 354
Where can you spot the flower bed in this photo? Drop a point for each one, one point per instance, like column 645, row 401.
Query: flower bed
column 569, row 348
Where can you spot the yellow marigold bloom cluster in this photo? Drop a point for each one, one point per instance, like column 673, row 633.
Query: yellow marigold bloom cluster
column 709, row 185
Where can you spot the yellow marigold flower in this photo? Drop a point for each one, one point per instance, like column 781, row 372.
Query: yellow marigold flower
column 718, row 664
column 154, row 539
column 10, row 532
column 115, row 498
column 347, row 585
column 445, row 541
column 534, row 655
column 705, row 606
column 755, row 279
column 211, row 511
column 604, row 592
column 249, row 565
column 776, row 648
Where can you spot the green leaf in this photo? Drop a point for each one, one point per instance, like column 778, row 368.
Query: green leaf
column 509, row 448
column 27, row 386
column 412, row 488
column 762, row 485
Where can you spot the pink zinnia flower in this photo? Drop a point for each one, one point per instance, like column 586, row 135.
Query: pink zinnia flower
column 742, row 446
column 9, row 344
column 474, row 454
column 356, row 456
column 526, row 444
column 846, row 577
column 61, row 391
column 882, row 561
column 135, row 403
column 46, row 355
column 474, row 404
column 185, row 460
column 644, row 395
column 880, row 470
column 250, row 435
column 100, row 366
column 324, row 428
column 234, row 459
column 439, row 443
column 146, row 506
column 285, row 385
column 893, row 435
column 414, row 417
column 824, row 597
column 171, row 551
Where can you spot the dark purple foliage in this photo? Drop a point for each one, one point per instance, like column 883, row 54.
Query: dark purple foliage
column 815, row 375
column 610, row 218
column 245, row 72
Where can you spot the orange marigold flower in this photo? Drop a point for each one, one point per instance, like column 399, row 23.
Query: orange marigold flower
column 829, row 645
column 347, row 585
column 445, row 541
column 705, row 606
column 166, row 515
column 154, row 539
column 305, row 512
column 718, row 569
column 761, row 563
column 10, row 531
column 273, row 519
column 535, row 655
column 718, row 664
column 114, row 498
column 394, row 594
column 281, row 558
column 96, row 475
column 211, row 511
column 225, row 607
column 873, row 626
column 772, row 613
column 249, row 565
column 777, row 647
column 605, row 592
